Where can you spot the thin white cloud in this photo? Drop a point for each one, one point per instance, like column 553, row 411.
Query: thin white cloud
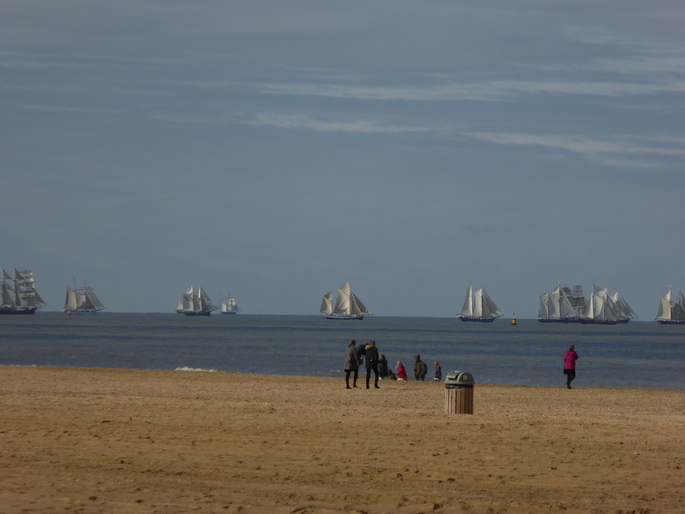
column 486, row 91
column 583, row 144
column 294, row 121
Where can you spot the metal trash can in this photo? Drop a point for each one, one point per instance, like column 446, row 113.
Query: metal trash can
column 459, row 392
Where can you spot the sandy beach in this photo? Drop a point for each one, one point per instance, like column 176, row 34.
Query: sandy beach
column 111, row 440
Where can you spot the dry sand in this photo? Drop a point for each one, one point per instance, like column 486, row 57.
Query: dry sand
column 108, row 440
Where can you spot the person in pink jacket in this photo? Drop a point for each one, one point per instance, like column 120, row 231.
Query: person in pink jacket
column 401, row 371
column 570, row 358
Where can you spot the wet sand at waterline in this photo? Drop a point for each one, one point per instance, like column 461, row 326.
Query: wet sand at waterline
column 112, row 440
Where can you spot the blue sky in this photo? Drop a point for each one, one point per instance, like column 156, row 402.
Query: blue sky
column 279, row 149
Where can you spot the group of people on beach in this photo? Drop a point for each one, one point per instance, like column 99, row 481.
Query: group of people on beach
column 376, row 363
column 367, row 354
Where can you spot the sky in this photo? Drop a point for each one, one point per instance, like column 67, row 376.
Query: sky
column 277, row 150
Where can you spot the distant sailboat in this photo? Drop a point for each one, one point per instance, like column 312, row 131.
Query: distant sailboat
column 19, row 295
column 229, row 306
column 478, row 306
column 82, row 300
column 606, row 309
column 195, row 303
column 556, row 307
column 671, row 312
column 347, row 305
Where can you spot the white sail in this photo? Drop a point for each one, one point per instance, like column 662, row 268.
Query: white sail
column 467, row 308
column 327, row 303
column 665, row 306
column 342, row 301
column 543, row 307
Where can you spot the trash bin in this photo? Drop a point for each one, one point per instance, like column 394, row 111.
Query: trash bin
column 459, row 393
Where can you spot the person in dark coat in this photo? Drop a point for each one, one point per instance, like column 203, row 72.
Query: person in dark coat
column 420, row 368
column 351, row 364
column 438, row 372
column 383, row 367
column 371, row 358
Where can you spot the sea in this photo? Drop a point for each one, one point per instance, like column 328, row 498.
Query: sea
column 639, row 354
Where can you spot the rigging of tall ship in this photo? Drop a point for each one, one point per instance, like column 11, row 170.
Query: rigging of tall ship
column 670, row 311
column 478, row 306
column 606, row 309
column 347, row 305
column 82, row 300
column 19, row 295
column 195, row 303
column 561, row 305
column 229, row 305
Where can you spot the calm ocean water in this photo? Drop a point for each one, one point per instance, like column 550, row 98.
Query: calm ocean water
column 637, row 354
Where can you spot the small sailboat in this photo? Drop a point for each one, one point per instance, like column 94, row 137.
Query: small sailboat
column 671, row 312
column 513, row 319
column 82, row 300
column 19, row 295
column 229, row 305
column 347, row 305
column 478, row 306
column 195, row 303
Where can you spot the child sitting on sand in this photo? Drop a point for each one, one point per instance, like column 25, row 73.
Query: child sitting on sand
column 401, row 372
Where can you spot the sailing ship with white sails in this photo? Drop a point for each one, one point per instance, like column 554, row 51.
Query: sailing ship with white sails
column 670, row 311
column 478, row 306
column 19, row 295
column 556, row 307
column 195, row 303
column 82, row 300
column 229, row 305
column 606, row 309
column 347, row 305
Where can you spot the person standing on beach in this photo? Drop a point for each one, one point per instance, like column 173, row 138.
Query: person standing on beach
column 420, row 368
column 351, row 364
column 438, row 372
column 371, row 358
column 570, row 359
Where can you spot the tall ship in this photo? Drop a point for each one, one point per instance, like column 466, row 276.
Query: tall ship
column 606, row 309
column 478, row 306
column 19, row 295
column 670, row 311
column 82, row 300
column 229, row 305
column 347, row 305
column 195, row 303
column 556, row 307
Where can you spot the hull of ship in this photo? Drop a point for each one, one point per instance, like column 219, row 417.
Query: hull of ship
column 80, row 312
column 596, row 322
column 229, row 312
column 671, row 321
column 18, row 311
column 479, row 320
column 345, row 317
column 201, row 313
column 554, row 320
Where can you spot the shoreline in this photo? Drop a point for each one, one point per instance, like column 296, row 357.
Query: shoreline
column 107, row 439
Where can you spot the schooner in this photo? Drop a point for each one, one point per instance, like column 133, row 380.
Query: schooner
column 347, row 305
column 82, row 300
column 478, row 306
column 671, row 312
